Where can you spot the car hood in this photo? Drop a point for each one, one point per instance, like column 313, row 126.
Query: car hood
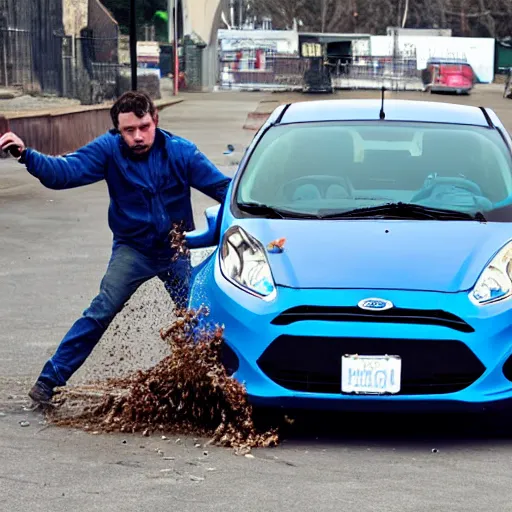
column 445, row 256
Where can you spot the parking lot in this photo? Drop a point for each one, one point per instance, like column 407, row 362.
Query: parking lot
column 489, row 95
column 54, row 250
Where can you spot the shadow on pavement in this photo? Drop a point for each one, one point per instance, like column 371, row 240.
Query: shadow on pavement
column 405, row 430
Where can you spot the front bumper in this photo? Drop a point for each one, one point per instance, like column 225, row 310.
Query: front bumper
column 459, row 89
column 455, row 354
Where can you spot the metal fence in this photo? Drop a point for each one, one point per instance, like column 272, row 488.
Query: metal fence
column 375, row 72
column 16, row 62
column 260, row 70
column 69, row 66
column 99, row 57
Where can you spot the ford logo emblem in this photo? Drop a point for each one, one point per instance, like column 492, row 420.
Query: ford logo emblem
column 375, row 304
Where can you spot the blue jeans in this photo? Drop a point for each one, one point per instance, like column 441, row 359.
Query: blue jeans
column 127, row 270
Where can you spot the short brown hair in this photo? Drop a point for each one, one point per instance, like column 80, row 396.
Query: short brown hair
column 132, row 101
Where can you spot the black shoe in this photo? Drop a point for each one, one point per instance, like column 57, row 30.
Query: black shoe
column 41, row 394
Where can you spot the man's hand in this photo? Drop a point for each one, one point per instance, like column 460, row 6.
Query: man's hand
column 12, row 143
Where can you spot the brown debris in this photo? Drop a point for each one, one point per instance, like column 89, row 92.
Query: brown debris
column 177, row 241
column 188, row 392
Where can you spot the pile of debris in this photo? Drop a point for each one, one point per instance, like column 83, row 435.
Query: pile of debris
column 188, row 392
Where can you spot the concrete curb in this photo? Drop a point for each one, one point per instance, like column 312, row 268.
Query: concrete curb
column 255, row 120
column 80, row 109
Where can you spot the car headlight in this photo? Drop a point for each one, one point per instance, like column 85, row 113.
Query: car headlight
column 243, row 261
column 495, row 282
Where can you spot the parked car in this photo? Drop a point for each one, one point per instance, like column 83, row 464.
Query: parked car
column 448, row 75
column 363, row 258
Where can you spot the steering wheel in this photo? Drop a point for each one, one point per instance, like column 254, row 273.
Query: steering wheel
column 464, row 183
column 323, row 182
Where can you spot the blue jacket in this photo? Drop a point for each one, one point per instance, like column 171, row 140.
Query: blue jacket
column 142, row 211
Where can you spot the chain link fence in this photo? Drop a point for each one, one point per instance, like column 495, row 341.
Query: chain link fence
column 375, row 72
column 258, row 69
column 96, row 69
column 84, row 68
column 16, row 58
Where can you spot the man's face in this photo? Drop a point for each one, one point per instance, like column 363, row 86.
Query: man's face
column 138, row 133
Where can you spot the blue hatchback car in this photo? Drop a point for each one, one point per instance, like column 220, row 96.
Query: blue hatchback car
column 363, row 258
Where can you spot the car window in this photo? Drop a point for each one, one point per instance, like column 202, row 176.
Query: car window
column 312, row 167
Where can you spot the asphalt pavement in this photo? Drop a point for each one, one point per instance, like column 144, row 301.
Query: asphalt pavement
column 54, row 249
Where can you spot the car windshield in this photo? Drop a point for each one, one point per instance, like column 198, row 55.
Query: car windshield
column 323, row 169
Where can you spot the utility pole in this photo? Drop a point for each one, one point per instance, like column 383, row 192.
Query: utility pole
column 170, row 18
column 172, row 33
column 176, row 58
column 133, row 45
column 406, row 9
column 232, row 12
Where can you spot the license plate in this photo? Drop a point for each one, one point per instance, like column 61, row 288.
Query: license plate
column 370, row 374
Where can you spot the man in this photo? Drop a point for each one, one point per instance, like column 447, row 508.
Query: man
column 149, row 172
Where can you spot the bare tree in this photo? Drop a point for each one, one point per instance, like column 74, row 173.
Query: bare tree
column 327, row 15
column 484, row 18
column 282, row 12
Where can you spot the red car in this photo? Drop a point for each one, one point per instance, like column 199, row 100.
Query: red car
column 448, row 75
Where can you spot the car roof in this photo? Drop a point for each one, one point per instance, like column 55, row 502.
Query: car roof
column 395, row 110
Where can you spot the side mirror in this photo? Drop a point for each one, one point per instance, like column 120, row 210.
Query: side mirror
column 210, row 236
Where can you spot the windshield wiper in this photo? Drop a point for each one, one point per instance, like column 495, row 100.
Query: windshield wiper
column 405, row 211
column 273, row 212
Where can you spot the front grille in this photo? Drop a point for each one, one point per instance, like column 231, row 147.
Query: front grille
column 507, row 369
column 355, row 314
column 229, row 359
column 313, row 364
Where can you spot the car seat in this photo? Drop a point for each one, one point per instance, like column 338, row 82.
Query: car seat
column 457, row 155
column 452, row 154
column 336, row 192
column 306, row 193
column 322, row 151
